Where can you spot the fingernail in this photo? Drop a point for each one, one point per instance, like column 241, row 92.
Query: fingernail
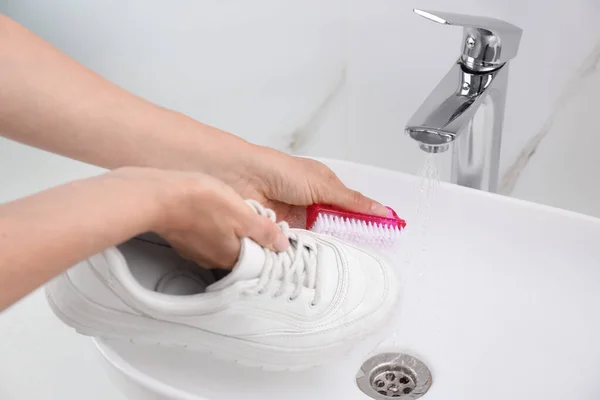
column 281, row 243
column 379, row 209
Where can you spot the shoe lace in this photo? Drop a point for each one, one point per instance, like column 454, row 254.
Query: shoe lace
column 295, row 266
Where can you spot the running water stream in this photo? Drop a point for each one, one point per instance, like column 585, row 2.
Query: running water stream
column 416, row 260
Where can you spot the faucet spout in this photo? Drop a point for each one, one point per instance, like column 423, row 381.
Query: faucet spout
column 449, row 107
column 465, row 110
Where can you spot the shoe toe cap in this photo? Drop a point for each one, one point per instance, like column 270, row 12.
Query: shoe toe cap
column 372, row 289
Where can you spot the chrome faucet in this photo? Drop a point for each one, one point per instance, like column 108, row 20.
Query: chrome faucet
column 466, row 109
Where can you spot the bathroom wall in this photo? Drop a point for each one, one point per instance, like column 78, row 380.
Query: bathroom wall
column 332, row 78
column 560, row 166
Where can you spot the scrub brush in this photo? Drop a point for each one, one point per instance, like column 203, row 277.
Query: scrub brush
column 361, row 229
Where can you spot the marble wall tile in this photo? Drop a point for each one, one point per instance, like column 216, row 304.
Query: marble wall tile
column 560, row 167
column 396, row 58
column 330, row 78
column 573, row 91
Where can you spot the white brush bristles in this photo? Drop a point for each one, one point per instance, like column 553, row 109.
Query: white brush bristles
column 356, row 231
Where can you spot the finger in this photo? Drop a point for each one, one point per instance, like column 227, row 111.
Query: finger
column 226, row 254
column 353, row 200
column 266, row 233
column 334, row 192
column 220, row 251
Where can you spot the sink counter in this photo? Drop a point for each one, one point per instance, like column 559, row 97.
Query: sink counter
column 500, row 300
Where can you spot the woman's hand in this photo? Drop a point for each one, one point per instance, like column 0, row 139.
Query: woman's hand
column 288, row 184
column 46, row 233
column 202, row 217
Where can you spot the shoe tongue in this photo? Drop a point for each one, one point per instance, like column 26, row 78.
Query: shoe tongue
column 249, row 266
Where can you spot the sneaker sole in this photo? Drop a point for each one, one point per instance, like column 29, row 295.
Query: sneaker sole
column 72, row 307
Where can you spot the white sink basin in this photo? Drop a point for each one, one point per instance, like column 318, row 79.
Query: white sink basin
column 504, row 304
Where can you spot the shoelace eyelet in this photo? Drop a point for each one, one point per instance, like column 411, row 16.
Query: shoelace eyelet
column 312, row 304
column 297, row 265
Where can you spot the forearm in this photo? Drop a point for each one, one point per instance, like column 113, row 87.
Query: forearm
column 49, row 101
column 44, row 234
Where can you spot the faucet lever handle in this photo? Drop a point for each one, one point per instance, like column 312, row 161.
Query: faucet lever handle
column 488, row 43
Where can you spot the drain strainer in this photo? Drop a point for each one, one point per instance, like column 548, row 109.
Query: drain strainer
column 394, row 376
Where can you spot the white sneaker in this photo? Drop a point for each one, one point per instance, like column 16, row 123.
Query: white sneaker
column 289, row 310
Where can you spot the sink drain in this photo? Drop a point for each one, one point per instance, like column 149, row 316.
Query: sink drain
column 393, row 376
column 393, row 381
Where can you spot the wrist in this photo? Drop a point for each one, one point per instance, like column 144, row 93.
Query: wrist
column 144, row 192
column 194, row 146
column 228, row 157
